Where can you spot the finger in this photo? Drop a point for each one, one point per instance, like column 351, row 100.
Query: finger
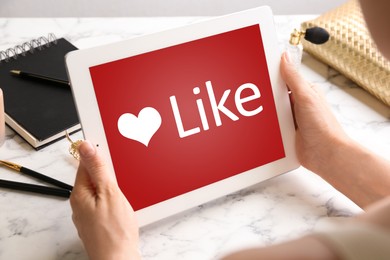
column 82, row 179
column 95, row 167
column 294, row 80
column 291, row 96
column 83, row 191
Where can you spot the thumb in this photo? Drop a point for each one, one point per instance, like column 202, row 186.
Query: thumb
column 100, row 177
column 294, row 80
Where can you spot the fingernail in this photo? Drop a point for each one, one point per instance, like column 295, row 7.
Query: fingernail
column 287, row 57
column 86, row 149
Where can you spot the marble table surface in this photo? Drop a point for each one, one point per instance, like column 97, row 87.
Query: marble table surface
column 288, row 206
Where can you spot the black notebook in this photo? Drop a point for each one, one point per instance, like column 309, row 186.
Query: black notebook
column 37, row 110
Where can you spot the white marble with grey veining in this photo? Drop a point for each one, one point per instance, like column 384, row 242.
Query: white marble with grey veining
column 40, row 227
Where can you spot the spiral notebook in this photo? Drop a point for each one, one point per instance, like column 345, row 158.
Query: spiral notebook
column 37, row 110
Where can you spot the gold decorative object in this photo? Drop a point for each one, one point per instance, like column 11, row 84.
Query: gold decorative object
column 351, row 50
column 74, row 146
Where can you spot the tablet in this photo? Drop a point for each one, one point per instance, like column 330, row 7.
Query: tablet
column 190, row 114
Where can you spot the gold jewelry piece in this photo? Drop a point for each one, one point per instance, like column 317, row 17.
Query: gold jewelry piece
column 74, row 146
column 296, row 36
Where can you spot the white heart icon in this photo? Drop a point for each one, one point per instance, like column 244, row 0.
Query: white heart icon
column 141, row 128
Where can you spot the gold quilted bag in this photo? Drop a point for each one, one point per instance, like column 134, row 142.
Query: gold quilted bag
column 351, row 50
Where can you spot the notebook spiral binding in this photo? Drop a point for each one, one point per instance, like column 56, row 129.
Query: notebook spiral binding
column 30, row 46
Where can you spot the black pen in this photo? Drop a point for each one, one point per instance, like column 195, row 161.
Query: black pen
column 29, row 75
column 35, row 188
column 64, row 189
column 35, row 174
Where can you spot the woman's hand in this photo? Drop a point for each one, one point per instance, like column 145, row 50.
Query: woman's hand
column 324, row 148
column 103, row 217
column 318, row 132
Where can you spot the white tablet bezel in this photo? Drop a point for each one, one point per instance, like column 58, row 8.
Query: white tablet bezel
column 79, row 62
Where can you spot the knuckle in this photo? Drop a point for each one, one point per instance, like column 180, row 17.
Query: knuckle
column 75, row 198
column 95, row 166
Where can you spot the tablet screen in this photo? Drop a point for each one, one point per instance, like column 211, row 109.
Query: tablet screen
column 186, row 116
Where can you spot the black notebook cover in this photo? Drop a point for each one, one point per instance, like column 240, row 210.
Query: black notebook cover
column 39, row 111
